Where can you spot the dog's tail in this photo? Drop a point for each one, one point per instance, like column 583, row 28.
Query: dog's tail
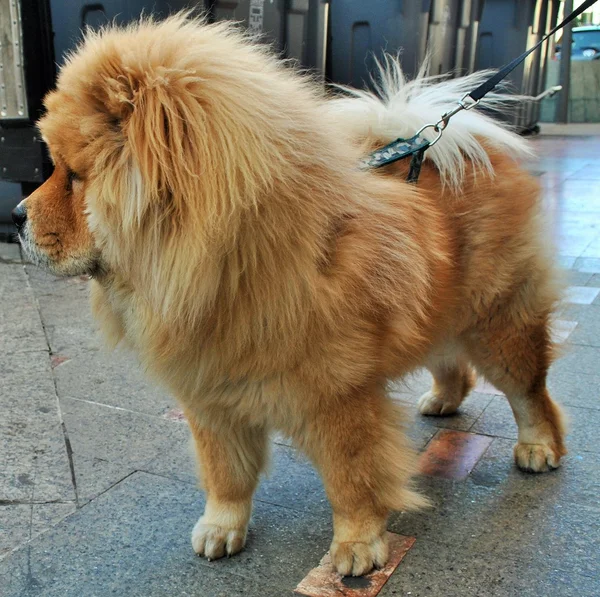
column 398, row 108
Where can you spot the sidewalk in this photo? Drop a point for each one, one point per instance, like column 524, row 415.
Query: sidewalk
column 98, row 491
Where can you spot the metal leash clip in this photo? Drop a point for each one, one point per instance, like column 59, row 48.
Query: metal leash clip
column 442, row 123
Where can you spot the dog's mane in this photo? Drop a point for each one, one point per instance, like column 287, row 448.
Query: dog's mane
column 221, row 184
column 400, row 107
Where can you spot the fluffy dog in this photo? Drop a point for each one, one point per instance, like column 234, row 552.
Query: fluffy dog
column 214, row 195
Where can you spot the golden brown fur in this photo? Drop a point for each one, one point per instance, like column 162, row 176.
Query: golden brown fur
column 270, row 284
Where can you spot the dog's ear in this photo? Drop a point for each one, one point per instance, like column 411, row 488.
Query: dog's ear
column 163, row 125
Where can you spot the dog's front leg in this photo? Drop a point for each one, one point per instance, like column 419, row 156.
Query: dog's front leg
column 230, row 461
column 365, row 461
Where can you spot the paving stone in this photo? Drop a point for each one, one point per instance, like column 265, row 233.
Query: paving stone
column 134, row 540
column 595, row 281
column 15, row 527
column 575, row 389
column 482, row 575
column 489, row 535
column 581, row 295
column 10, row 253
column 45, row 516
column 587, row 331
column 177, row 460
column 578, row 359
column 576, row 196
column 22, row 374
column 587, row 172
column 113, row 379
column 293, row 482
column 453, row 454
column 587, row 265
column 566, row 261
column 577, row 278
column 575, row 482
column 94, row 476
column 118, row 436
column 44, row 283
column 498, row 420
column 33, row 458
column 20, row 325
column 65, row 311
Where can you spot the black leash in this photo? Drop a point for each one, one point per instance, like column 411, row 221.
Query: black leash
column 416, row 146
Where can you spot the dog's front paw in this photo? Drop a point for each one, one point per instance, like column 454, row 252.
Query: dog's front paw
column 432, row 404
column 353, row 558
column 214, row 541
column 536, row 458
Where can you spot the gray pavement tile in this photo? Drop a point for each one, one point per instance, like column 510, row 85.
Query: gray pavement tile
column 46, row 284
column 578, row 359
column 20, row 325
column 135, row 540
column 33, row 459
column 65, row 340
column 15, row 527
column 577, row 278
column 20, row 522
column 35, row 465
column 473, row 529
column 118, row 436
column 94, row 476
column 177, row 460
column 587, row 264
column 575, row 389
column 566, row 261
column 293, row 482
column 594, row 281
column 65, row 311
column 24, row 374
column 45, row 516
column 587, row 331
column 576, row 481
column 114, row 379
column 427, row 572
column 10, row 253
column 497, row 420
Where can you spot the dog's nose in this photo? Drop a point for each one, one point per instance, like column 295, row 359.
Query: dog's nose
column 19, row 215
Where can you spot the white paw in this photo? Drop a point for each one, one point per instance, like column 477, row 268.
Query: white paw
column 536, row 458
column 353, row 558
column 432, row 404
column 213, row 541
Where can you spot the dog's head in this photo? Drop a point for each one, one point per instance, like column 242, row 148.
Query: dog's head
column 157, row 132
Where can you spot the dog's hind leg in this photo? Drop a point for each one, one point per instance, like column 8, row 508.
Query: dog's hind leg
column 453, row 379
column 365, row 461
column 230, row 462
column 514, row 352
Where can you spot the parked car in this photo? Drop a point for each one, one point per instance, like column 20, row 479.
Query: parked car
column 586, row 43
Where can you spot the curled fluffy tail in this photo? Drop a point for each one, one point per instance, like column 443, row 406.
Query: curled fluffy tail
column 399, row 108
